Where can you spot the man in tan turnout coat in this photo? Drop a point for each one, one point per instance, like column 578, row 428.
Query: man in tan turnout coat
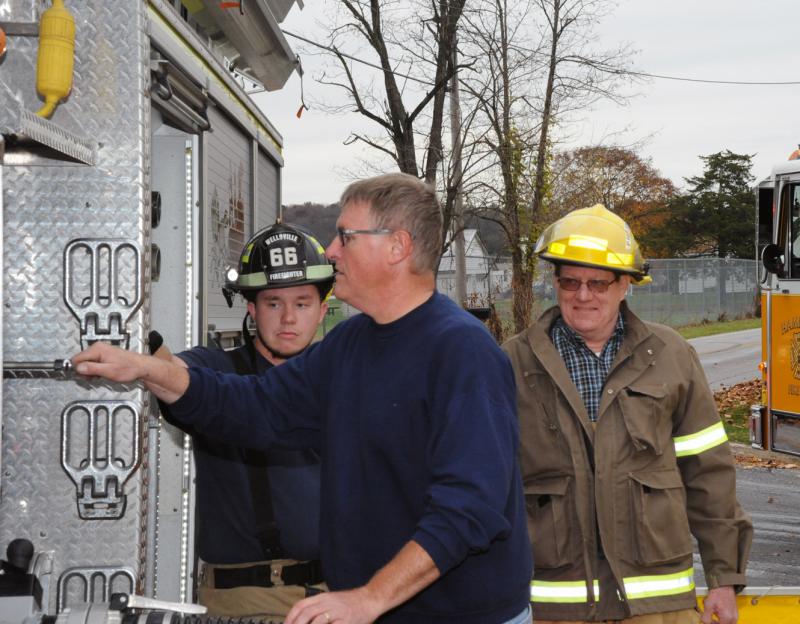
column 623, row 453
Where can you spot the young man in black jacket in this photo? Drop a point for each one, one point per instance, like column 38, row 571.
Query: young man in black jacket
column 258, row 512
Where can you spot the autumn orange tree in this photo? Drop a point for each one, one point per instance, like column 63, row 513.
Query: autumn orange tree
column 620, row 179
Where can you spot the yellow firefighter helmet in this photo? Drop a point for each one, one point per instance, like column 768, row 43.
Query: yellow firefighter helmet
column 594, row 237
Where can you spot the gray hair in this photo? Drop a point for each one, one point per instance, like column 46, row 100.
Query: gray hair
column 404, row 202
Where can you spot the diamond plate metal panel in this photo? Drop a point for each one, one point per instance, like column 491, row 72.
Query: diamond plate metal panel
column 47, row 204
column 19, row 10
column 39, row 498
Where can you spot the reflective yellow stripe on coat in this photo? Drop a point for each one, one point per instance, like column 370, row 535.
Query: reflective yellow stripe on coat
column 635, row 587
column 562, row 591
column 659, row 584
column 696, row 443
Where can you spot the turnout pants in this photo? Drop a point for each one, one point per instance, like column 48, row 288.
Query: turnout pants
column 264, row 590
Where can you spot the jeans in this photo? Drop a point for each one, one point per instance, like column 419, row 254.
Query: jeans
column 523, row 618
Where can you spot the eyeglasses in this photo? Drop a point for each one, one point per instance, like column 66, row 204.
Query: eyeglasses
column 596, row 286
column 346, row 235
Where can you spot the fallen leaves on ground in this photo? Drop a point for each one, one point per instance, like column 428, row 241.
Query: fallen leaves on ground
column 748, row 462
column 747, row 394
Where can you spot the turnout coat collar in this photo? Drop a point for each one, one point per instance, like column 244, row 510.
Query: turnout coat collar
column 638, row 351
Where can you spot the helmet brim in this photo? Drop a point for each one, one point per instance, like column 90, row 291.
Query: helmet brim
column 638, row 278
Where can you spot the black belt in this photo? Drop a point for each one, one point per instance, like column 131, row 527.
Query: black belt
column 305, row 573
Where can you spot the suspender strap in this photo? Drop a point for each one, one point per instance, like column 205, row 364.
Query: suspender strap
column 244, row 362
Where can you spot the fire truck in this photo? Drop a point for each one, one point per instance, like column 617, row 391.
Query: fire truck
column 775, row 422
column 133, row 166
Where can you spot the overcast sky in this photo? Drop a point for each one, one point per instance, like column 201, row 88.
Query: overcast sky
column 733, row 40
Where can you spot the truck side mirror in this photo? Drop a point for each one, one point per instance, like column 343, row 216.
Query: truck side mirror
column 772, row 259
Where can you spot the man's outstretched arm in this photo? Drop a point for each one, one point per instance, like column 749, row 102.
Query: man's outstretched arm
column 164, row 378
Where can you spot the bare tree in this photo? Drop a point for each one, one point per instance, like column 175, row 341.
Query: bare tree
column 462, row 167
column 498, row 91
column 558, row 53
column 413, row 45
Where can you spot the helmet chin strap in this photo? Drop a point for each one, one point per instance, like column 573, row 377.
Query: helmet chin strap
column 248, row 341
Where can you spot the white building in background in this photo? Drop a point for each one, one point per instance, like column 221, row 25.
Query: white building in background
column 480, row 276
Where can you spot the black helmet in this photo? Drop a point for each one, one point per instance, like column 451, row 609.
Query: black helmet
column 279, row 256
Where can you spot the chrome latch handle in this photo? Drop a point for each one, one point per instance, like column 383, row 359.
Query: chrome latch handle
column 103, row 287
column 93, row 456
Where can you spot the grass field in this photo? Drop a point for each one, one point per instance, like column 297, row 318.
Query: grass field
column 334, row 316
column 719, row 327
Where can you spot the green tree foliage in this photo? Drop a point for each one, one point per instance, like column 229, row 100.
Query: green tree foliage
column 715, row 217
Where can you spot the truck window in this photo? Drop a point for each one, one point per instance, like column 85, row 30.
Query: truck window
column 794, row 233
column 788, row 235
column 764, row 200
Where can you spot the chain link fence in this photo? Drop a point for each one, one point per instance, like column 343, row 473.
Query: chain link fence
column 684, row 291
column 687, row 291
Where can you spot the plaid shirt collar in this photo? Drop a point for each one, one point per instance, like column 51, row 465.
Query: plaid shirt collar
column 587, row 370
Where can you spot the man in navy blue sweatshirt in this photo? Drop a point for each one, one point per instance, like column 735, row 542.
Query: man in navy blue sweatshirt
column 412, row 406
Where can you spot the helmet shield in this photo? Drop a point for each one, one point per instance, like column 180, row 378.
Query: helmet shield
column 594, row 237
column 280, row 256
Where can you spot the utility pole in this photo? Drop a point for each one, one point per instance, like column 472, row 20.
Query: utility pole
column 457, row 172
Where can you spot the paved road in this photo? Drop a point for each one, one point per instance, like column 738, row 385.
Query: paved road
column 772, row 499
column 730, row 358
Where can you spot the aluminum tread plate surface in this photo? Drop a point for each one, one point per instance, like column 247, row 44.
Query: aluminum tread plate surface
column 46, row 205
column 39, row 499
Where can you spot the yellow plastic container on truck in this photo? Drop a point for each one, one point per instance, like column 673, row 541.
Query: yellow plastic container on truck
column 55, row 59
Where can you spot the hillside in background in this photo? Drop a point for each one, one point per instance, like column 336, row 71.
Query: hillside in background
column 320, row 219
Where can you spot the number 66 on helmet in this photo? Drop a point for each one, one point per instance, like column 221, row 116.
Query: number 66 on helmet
column 279, row 256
